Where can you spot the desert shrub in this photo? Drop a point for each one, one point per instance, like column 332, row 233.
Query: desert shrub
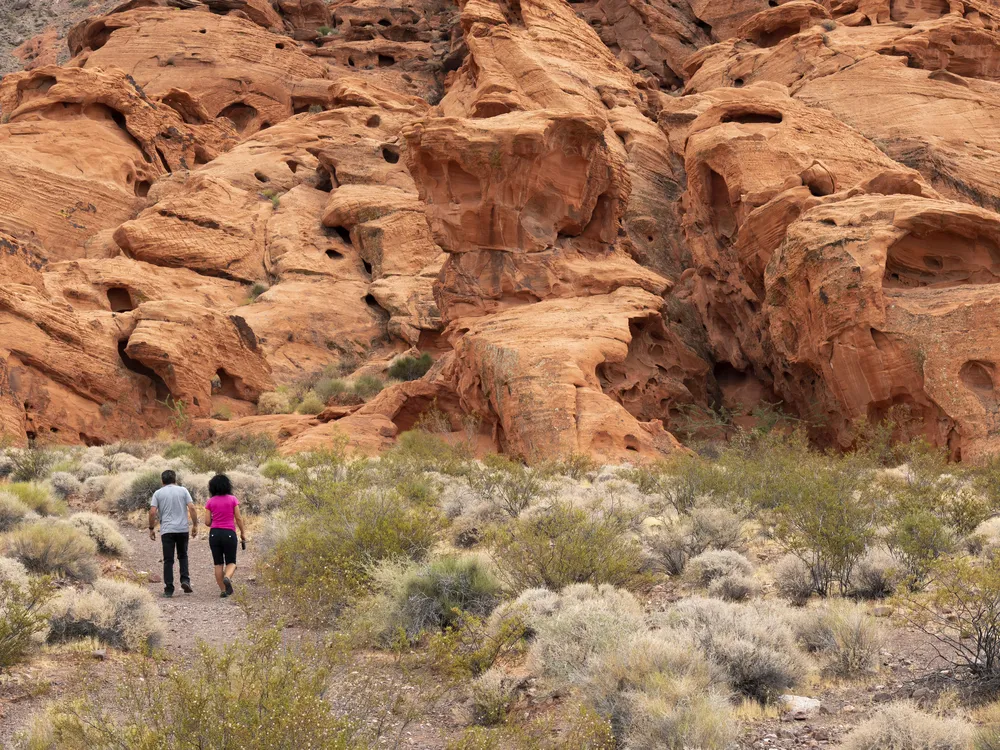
column 12, row 511
column 901, row 726
column 825, row 513
column 367, row 387
column 177, row 449
column 64, row 484
column 492, row 695
column 21, row 617
column 410, row 368
column 576, row 466
column 418, row 451
column 330, row 388
column 54, row 548
column 254, row 447
column 277, row 468
column 844, row 635
column 734, row 587
column 561, row 545
column 660, row 692
column 118, row 613
column 508, row 485
column 13, row 571
column 713, row 564
column 38, row 497
column 89, row 469
column 274, row 402
column 917, row 538
column 436, row 594
column 31, row 464
column 104, row 532
column 254, row 693
column 793, row 579
column 752, row 644
column 680, row 480
column 138, row 493
column 962, row 613
column 122, row 463
column 342, row 529
column 576, row 628
column 210, row 461
column 678, row 540
column 311, row 404
column 876, row 575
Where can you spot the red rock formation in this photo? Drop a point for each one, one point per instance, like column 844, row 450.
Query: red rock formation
column 598, row 216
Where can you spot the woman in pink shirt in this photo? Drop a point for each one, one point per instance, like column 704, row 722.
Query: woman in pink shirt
column 222, row 516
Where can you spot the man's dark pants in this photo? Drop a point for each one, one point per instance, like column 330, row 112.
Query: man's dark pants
column 170, row 541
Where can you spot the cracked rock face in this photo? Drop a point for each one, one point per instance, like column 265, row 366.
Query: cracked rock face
column 600, row 217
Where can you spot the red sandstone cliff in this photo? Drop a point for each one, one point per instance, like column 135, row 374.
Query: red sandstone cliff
column 597, row 215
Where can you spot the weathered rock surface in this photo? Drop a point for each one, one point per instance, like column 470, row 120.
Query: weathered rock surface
column 600, row 217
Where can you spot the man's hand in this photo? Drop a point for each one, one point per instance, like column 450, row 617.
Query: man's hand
column 152, row 534
column 194, row 533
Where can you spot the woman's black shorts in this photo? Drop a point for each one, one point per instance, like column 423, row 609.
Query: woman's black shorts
column 222, row 542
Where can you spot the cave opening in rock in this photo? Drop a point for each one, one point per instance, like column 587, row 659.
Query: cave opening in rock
column 940, row 259
column 226, row 384
column 384, row 61
column 752, row 117
column 142, row 188
column 240, row 114
column 344, row 234
column 134, row 365
column 390, row 154
column 120, row 299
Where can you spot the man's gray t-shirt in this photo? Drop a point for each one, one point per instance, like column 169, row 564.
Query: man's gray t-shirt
column 171, row 501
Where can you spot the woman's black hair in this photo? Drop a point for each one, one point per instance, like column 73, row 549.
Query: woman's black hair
column 220, row 485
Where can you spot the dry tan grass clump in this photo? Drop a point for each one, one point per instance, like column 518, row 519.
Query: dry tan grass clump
column 118, row 613
column 54, row 548
column 104, row 532
column 901, row 726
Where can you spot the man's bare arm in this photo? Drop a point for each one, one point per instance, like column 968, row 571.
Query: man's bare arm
column 193, row 514
column 152, row 522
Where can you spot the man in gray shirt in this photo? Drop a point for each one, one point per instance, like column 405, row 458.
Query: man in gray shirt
column 175, row 506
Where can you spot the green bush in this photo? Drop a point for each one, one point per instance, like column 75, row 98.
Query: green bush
column 253, row 447
column 38, row 497
column 139, row 493
column 492, row 695
column 562, row 545
column 367, row 387
column 31, row 464
column 342, row 529
column 255, row 693
column 330, row 388
column 417, row 451
column 826, row 513
column 678, row 481
column 12, row 511
column 210, row 461
column 714, row 564
column 177, row 449
column 917, row 538
column 410, row 368
column 118, row 613
column 506, row 484
column 54, row 548
column 311, row 404
column 438, row 593
column 277, row 468
column 22, row 616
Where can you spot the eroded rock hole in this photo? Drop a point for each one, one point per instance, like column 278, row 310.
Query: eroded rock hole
column 344, row 234
column 120, row 299
column 368, row 267
column 373, row 122
column 293, row 165
column 390, row 154
column 142, row 188
column 747, row 117
column 240, row 114
column 941, row 259
column 225, row 384
column 723, row 213
column 134, row 365
column 775, row 36
column 334, row 255
column 384, row 61
column 261, row 177
column 977, row 376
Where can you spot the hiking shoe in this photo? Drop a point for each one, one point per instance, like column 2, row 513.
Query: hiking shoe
column 223, row 595
column 167, row 593
column 229, row 586
column 187, row 588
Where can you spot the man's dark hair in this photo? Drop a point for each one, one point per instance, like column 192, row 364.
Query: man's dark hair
column 168, row 477
column 220, row 485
